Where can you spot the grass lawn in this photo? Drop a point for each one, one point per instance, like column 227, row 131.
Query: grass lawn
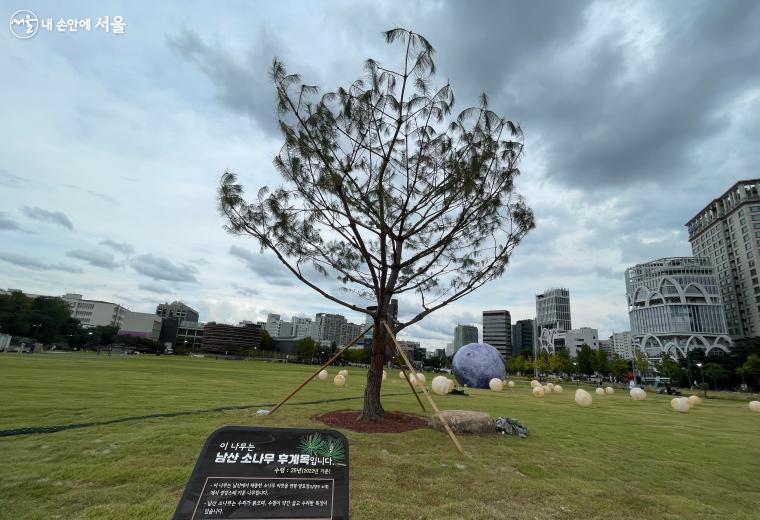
column 617, row 459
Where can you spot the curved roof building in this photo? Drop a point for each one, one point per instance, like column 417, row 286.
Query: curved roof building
column 674, row 305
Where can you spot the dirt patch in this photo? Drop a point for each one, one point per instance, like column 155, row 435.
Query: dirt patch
column 394, row 422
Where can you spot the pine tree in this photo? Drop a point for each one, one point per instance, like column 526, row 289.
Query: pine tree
column 388, row 192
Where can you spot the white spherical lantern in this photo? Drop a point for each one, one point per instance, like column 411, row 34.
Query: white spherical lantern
column 538, row 391
column 451, row 385
column 385, row 376
column 680, row 404
column 557, row 389
column 609, row 390
column 496, row 384
column 440, row 385
column 695, row 400
column 339, row 380
column 638, row 394
column 599, row 391
column 583, row 398
column 343, row 372
column 754, row 406
column 511, row 384
column 401, row 374
column 534, row 383
column 421, row 377
column 549, row 387
column 323, row 375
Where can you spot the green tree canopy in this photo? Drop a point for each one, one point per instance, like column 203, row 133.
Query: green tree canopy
column 600, row 362
column 586, row 360
column 619, row 367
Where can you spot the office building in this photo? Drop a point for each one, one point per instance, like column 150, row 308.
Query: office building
column 497, row 331
column 141, row 325
column 464, row 335
column 450, row 350
column 522, row 337
column 178, row 311
column 273, row 325
column 727, row 232
column 286, row 329
column 553, row 310
column 95, row 313
column 189, row 336
column 554, row 340
column 230, row 340
column 674, row 306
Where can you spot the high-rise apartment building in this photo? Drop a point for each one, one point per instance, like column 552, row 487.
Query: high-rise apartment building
column 622, row 344
column 464, row 335
column 328, row 327
column 300, row 327
column 497, row 331
column 178, row 311
column 553, row 310
column 522, row 336
column 727, row 231
column 674, row 305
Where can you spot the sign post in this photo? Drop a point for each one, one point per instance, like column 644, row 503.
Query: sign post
column 268, row 473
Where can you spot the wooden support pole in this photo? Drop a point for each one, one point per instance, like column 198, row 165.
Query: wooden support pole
column 329, row 362
column 412, row 387
column 424, row 389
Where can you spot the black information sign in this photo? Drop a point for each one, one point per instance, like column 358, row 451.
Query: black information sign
column 268, row 473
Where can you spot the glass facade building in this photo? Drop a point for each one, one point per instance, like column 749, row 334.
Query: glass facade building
column 674, row 305
column 553, row 310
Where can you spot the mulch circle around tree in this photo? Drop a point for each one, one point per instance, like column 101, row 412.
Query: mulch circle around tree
column 393, row 422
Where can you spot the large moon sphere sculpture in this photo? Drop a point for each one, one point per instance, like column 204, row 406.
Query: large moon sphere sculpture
column 476, row 364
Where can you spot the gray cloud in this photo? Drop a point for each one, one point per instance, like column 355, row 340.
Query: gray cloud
column 268, row 268
column 8, row 224
column 30, row 262
column 42, row 215
column 10, row 180
column 241, row 85
column 160, row 268
column 158, row 289
column 604, row 121
column 245, row 291
column 94, row 258
column 99, row 195
column 121, row 247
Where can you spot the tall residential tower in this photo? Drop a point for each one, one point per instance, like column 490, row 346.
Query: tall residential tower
column 727, row 231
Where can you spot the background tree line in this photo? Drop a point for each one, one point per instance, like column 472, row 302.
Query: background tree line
column 48, row 320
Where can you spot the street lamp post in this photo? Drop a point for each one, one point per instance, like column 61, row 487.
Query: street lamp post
column 702, row 373
column 575, row 370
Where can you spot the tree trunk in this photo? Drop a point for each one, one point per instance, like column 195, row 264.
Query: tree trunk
column 373, row 409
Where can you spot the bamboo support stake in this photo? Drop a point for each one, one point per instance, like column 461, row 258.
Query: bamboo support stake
column 328, row 363
column 412, row 387
column 424, row 389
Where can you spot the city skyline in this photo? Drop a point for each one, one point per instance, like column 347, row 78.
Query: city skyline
column 108, row 184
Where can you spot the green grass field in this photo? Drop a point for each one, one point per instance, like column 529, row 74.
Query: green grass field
column 617, row 459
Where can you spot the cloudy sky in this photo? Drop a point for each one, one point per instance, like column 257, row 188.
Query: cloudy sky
column 636, row 115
